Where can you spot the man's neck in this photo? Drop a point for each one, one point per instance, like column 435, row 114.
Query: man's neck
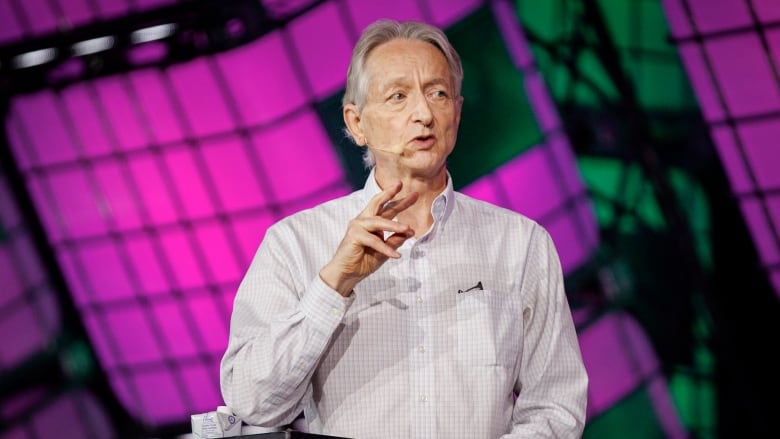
column 418, row 216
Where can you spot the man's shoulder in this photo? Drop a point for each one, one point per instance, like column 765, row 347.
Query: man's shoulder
column 332, row 210
column 486, row 211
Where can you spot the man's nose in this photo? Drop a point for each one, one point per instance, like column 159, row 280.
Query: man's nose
column 421, row 111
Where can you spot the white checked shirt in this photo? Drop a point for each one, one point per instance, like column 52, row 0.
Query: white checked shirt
column 433, row 345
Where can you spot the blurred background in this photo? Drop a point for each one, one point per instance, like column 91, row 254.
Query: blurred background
column 146, row 145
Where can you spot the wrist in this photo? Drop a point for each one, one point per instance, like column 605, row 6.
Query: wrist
column 335, row 280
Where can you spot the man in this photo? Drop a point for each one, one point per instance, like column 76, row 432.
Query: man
column 433, row 315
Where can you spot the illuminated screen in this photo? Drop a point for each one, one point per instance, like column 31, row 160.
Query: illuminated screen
column 732, row 56
column 155, row 187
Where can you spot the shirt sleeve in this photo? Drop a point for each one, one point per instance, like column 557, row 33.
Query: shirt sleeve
column 552, row 383
column 279, row 329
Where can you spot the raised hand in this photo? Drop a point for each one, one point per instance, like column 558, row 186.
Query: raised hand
column 364, row 249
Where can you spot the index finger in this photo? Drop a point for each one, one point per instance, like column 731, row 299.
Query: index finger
column 377, row 203
column 392, row 208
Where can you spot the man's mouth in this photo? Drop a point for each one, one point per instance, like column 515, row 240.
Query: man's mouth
column 425, row 139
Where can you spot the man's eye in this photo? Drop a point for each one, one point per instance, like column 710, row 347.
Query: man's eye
column 439, row 94
column 396, row 96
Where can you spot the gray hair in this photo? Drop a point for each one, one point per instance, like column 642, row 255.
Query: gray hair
column 383, row 31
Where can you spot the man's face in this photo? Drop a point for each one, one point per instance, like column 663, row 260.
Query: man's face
column 411, row 115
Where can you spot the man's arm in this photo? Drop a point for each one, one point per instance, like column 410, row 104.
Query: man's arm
column 278, row 331
column 277, row 335
column 552, row 383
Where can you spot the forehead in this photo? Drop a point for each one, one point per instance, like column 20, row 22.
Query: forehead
column 401, row 58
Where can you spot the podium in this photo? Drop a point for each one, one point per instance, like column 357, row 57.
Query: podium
column 289, row 434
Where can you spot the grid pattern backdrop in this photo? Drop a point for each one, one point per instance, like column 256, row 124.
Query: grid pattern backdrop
column 731, row 51
column 25, row 19
column 155, row 187
column 32, row 326
column 153, row 184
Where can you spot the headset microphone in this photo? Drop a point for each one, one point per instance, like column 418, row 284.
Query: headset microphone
column 397, row 151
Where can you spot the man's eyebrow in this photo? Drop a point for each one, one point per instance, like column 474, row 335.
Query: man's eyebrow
column 437, row 81
column 403, row 82
column 393, row 82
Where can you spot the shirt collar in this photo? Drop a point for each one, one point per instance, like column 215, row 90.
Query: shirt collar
column 442, row 204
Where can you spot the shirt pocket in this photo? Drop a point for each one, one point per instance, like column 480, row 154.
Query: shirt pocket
column 489, row 328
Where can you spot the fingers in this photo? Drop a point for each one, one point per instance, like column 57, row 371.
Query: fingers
column 396, row 240
column 378, row 225
column 361, row 228
column 387, row 194
column 393, row 207
column 364, row 247
column 384, row 205
column 388, row 247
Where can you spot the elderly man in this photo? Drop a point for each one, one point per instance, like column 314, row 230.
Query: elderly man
column 406, row 309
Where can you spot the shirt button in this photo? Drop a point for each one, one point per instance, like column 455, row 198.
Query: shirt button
column 423, row 398
column 421, row 348
column 334, row 311
column 419, row 299
column 416, row 252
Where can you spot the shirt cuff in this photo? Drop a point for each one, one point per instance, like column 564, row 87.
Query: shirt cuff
column 324, row 306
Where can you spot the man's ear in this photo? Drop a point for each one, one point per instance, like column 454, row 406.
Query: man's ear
column 352, row 121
